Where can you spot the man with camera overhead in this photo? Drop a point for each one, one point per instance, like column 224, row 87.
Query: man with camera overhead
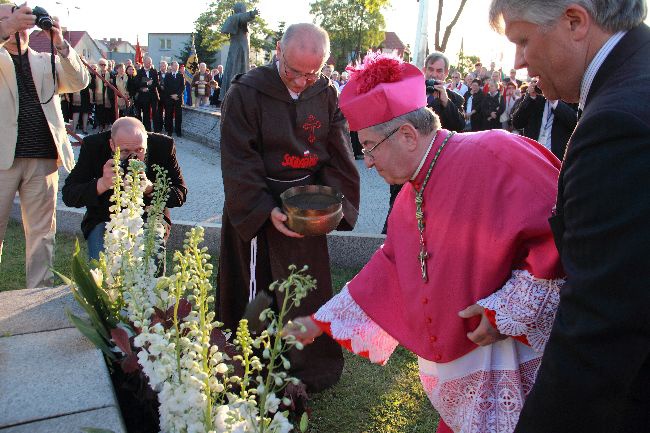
column 90, row 184
column 33, row 138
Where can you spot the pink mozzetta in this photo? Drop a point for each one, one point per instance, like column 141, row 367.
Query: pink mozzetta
column 380, row 89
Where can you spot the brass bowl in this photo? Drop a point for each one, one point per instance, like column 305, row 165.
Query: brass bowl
column 312, row 209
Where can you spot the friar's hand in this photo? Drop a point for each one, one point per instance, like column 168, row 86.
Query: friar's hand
column 484, row 334
column 304, row 329
column 278, row 219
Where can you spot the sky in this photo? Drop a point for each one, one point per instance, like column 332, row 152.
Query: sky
column 130, row 19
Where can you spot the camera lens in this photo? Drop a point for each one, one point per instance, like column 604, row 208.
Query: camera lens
column 43, row 19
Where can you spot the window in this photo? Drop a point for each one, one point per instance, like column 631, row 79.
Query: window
column 165, row 44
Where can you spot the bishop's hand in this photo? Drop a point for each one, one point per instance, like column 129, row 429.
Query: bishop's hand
column 484, row 334
column 304, row 329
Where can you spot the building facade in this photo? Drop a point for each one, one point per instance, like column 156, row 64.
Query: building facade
column 167, row 46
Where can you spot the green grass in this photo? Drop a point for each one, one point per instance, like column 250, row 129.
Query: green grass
column 368, row 399
column 12, row 268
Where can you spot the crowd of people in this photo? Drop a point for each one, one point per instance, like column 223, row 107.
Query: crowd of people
column 520, row 323
column 138, row 90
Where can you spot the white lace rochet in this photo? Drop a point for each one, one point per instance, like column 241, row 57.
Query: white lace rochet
column 484, row 390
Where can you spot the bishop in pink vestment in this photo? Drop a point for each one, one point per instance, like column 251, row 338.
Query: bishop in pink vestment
column 469, row 228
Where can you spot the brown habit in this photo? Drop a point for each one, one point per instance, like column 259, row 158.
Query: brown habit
column 269, row 143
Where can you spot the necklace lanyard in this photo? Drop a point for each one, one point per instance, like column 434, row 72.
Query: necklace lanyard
column 419, row 212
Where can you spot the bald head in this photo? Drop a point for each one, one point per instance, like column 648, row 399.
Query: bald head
column 127, row 126
column 306, row 38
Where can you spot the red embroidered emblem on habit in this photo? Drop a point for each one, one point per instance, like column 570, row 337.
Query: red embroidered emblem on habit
column 311, row 125
column 307, row 161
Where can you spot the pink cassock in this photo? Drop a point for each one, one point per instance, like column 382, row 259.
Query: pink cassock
column 486, row 207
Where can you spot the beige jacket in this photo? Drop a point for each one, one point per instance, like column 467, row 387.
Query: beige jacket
column 72, row 76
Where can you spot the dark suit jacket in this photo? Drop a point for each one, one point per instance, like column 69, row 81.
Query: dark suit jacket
column 490, row 104
column 528, row 116
column 152, row 94
column 595, row 373
column 451, row 116
column 477, row 102
column 174, row 86
column 80, row 189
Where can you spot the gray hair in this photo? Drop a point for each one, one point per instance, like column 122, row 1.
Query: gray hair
column 422, row 119
column 309, row 37
column 611, row 16
column 434, row 57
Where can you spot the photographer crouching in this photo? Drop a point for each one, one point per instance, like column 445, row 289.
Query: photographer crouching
column 90, row 184
column 33, row 138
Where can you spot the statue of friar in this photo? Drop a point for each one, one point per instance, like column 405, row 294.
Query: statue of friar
column 236, row 26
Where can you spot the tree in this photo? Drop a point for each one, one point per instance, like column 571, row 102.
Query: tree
column 207, row 34
column 354, row 26
column 445, row 38
column 465, row 64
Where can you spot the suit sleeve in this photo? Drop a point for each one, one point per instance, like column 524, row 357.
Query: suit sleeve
column 451, row 116
column 80, row 188
column 248, row 199
column 599, row 346
column 72, row 75
column 177, row 186
column 522, row 113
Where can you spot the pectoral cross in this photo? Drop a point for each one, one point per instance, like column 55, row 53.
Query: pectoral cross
column 423, row 256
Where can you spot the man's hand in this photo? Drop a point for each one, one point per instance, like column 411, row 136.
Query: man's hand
column 105, row 182
column 442, row 92
column 21, row 19
column 484, row 334
column 304, row 329
column 493, row 115
column 56, row 35
column 278, row 219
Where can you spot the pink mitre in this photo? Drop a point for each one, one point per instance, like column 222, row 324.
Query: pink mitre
column 382, row 88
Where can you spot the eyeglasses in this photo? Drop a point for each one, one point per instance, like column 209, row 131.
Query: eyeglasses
column 292, row 74
column 102, row 64
column 368, row 152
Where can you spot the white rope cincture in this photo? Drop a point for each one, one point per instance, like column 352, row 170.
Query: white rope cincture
column 252, row 286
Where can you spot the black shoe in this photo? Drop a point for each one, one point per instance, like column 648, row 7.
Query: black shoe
column 178, row 134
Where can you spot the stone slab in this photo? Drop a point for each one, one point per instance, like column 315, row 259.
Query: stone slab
column 202, row 125
column 36, row 310
column 108, row 418
column 50, row 374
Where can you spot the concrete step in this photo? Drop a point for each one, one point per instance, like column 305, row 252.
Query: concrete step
column 52, row 379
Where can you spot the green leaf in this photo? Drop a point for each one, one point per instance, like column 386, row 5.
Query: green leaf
column 93, row 315
column 88, row 289
column 304, row 422
column 67, row 281
column 91, row 333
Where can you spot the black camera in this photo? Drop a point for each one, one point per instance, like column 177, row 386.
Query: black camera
column 124, row 164
column 431, row 82
column 43, row 19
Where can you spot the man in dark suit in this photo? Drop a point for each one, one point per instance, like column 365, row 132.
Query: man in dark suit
column 446, row 104
column 473, row 104
column 595, row 373
column 147, row 98
column 175, row 86
column 90, row 183
column 549, row 122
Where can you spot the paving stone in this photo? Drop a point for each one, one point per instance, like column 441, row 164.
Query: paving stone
column 50, row 374
column 36, row 310
column 108, row 418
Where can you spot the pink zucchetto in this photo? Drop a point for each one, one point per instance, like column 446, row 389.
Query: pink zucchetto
column 381, row 88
